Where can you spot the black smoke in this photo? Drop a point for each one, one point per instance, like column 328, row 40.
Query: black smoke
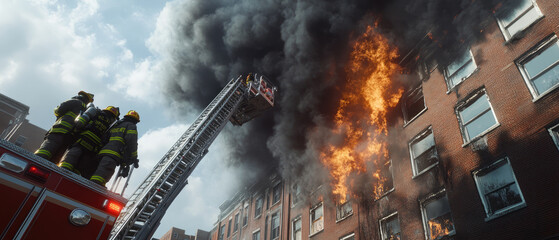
column 303, row 46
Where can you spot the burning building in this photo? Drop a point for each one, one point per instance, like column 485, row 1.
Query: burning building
column 420, row 148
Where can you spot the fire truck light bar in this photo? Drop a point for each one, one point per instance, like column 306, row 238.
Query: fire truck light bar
column 112, row 206
column 38, row 173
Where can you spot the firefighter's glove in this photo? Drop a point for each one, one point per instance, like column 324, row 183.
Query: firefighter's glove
column 136, row 163
column 124, row 170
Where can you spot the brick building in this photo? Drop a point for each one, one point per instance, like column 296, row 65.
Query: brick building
column 475, row 153
column 15, row 128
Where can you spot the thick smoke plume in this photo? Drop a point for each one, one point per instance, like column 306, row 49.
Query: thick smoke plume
column 303, row 46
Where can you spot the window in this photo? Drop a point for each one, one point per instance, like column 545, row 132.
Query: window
column 514, row 21
column 221, row 232
column 343, row 211
column 275, row 226
column 390, row 227
column 414, row 104
column 20, row 141
column 276, row 194
column 423, row 153
column 296, row 194
column 350, row 236
column 460, row 69
column 258, row 206
column 229, row 228
column 540, row 67
column 476, row 116
column 317, row 220
column 256, row 235
column 245, row 215
column 437, row 219
column 236, row 226
column 498, row 189
column 554, row 131
column 384, row 182
column 297, row 233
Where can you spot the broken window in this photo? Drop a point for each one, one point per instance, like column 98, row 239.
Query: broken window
column 275, row 226
column 476, row 116
column 414, row 104
column 350, row 236
column 256, row 235
column 297, row 232
column 317, row 219
column 514, row 20
column 390, row 227
column 258, row 206
column 437, row 219
column 276, row 194
column 540, row 67
column 343, row 211
column 384, row 182
column 423, row 152
column 460, row 69
column 498, row 188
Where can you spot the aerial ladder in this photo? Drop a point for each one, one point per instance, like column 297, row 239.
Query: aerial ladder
column 241, row 100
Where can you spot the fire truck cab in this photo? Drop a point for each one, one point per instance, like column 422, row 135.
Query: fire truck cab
column 42, row 201
column 260, row 97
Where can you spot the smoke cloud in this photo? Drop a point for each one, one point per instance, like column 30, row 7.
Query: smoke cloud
column 303, row 47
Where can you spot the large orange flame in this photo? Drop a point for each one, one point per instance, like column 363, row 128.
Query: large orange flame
column 361, row 117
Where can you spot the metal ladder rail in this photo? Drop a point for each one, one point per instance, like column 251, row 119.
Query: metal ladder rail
column 213, row 128
column 233, row 86
column 159, row 198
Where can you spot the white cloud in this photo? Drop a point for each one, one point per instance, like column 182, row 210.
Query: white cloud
column 140, row 83
column 8, row 72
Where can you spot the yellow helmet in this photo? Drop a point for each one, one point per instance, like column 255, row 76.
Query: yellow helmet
column 113, row 110
column 88, row 96
column 133, row 114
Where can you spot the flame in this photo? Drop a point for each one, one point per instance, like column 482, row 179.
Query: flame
column 361, row 117
column 440, row 229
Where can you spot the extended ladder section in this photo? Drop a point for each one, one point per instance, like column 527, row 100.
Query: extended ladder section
column 145, row 208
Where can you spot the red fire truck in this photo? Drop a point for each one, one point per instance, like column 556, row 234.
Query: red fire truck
column 42, row 201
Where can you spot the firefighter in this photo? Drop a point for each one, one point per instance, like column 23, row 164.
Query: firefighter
column 249, row 79
column 80, row 158
column 120, row 150
column 61, row 136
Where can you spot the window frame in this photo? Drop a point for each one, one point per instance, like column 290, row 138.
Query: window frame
column 293, row 232
column 382, row 231
column 315, row 207
column 256, row 231
column 529, row 55
column 278, row 215
column 257, row 213
column 501, row 212
column 447, row 77
column 413, row 94
column 506, row 33
column 434, row 197
column 279, row 194
column 348, row 236
column 388, row 190
column 467, row 103
column 236, row 223
column 20, row 140
column 340, row 207
column 554, row 137
column 417, row 138
column 295, row 194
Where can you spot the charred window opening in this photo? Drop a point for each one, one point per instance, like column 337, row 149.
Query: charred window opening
column 384, row 180
column 275, row 226
column 276, row 194
column 423, row 152
column 514, row 21
column 437, row 218
column 498, row 189
column 540, row 67
column 414, row 104
column 343, row 211
column 258, row 206
column 316, row 219
column 297, row 229
column 295, row 194
column 462, row 68
column 476, row 116
column 390, row 227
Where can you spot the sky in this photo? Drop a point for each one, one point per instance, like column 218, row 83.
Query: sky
column 53, row 49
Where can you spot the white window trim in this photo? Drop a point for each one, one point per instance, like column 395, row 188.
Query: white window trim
column 321, row 204
column 255, row 231
column 381, row 233
column 280, row 194
column 464, row 104
column 293, row 225
column 279, row 226
column 261, row 208
column 345, row 217
column 424, row 220
column 506, row 210
column 543, row 45
column 412, row 159
column 555, row 138
column 347, row 236
column 505, row 32
column 447, row 77
column 404, row 109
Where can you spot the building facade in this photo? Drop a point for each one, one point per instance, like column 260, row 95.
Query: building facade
column 476, row 154
column 15, row 128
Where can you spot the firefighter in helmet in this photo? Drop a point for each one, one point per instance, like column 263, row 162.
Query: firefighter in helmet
column 61, row 135
column 122, row 149
column 80, row 158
